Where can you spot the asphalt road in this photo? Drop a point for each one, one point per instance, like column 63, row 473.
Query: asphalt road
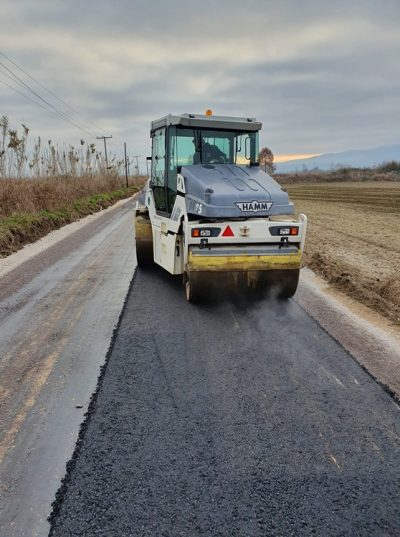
column 230, row 420
column 57, row 314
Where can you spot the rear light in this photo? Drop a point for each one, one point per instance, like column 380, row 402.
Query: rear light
column 201, row 232
column 288, row 231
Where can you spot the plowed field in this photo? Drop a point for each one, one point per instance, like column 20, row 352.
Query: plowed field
column 354, row 239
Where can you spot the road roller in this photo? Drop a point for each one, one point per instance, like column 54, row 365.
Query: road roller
column 209, row 212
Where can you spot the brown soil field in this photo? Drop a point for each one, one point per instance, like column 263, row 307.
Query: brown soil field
column 353, row 239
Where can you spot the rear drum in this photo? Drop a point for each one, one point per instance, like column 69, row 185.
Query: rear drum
column 144, row 241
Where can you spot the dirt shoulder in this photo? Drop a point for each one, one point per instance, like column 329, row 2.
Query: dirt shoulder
column 354, row 239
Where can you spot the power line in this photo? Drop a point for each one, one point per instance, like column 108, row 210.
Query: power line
column 51, row 92
column 51, row 111
column 48, row 106
column 61, row 115
column 42, row 106
column 27, row 97
column 24, row 95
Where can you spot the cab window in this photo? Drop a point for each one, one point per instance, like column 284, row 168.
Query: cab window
column 158, row 170
column 181, row 151
column 217, row 147
column 188, row 146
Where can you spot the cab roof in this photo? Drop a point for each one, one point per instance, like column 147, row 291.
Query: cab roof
column 208, row 122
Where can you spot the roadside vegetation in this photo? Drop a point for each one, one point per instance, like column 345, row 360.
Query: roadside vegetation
column 51, row 186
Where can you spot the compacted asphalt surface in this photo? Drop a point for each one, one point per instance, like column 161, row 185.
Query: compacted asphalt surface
column 230, row 420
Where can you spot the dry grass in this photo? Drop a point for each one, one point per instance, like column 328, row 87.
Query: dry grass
column 30, row 208
column 52, row 193
column 52, row 185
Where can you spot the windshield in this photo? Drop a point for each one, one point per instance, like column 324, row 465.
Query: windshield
column 200, row 146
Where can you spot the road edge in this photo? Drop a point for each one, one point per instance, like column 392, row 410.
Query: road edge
column 13, row 261
column 364, row 334
column 56, row 504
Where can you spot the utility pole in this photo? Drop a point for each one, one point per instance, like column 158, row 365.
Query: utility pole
column 137, row 163
column 104, row 138
column 126, row 166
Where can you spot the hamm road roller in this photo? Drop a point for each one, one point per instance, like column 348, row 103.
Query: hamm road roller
column 209, row 213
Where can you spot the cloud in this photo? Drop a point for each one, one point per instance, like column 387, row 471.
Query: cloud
column 322, row 76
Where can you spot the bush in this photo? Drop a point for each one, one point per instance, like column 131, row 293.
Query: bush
column 391, row 166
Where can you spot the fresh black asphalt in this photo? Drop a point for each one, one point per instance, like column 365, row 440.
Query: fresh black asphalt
column 230, row 420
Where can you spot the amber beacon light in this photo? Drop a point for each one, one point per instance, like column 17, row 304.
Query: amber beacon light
column 209, row 112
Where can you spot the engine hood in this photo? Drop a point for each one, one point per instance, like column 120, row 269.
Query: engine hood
column 230, row 190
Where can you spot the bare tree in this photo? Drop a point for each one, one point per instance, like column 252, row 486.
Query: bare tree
column 266, row 160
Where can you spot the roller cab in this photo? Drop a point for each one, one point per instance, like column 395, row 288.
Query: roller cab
column 210, row 213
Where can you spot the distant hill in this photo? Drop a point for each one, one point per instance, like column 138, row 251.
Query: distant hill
column 357, row 158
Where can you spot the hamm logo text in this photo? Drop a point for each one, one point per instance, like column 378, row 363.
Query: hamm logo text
column 254, row 206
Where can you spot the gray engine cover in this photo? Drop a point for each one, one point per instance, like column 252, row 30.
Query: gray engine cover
column 230, row 190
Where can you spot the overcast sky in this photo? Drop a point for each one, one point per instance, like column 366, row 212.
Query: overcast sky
column 321, row 75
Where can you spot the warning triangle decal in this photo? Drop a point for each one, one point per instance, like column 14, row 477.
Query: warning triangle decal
column 228, row 232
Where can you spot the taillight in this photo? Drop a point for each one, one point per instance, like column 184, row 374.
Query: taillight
column 199, row 232
column 284, row 231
